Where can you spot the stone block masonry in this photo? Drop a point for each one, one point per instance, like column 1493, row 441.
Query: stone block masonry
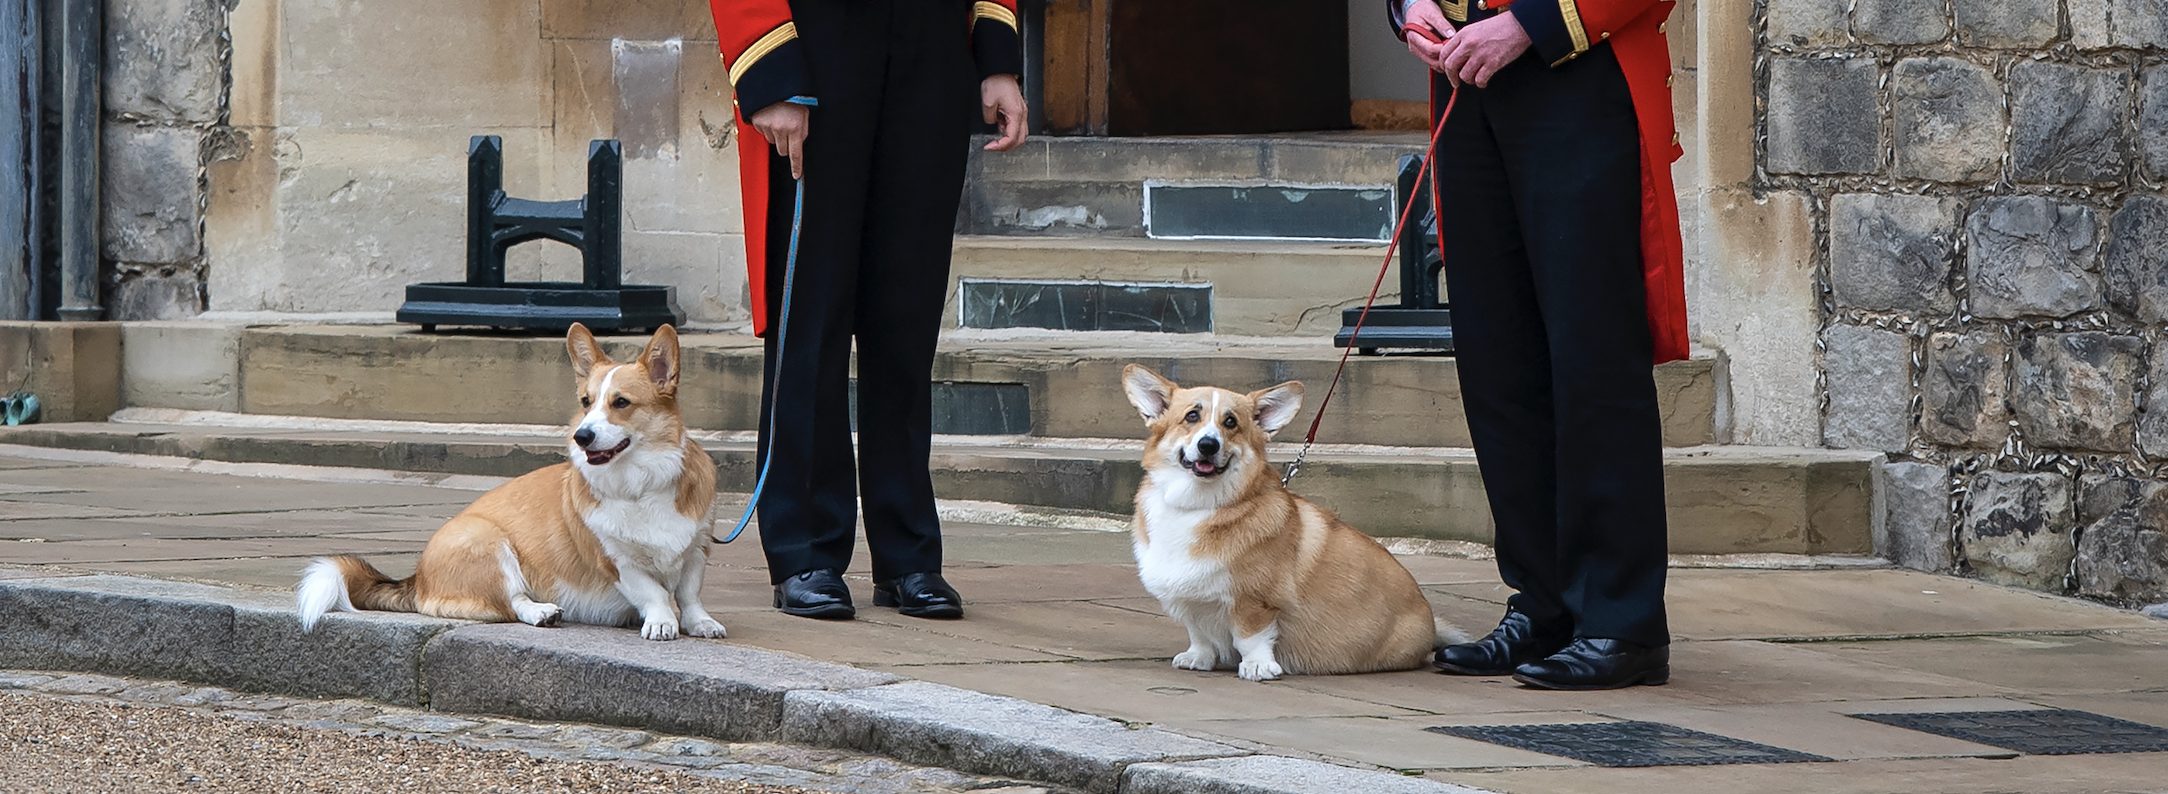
column 1985, row 181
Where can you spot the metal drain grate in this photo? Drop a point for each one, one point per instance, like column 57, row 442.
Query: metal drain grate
column 1628, row 744
column 2036, row 732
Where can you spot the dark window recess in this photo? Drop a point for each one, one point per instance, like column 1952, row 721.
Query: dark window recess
column 1280, row 212
column 1087, row 306
column 1628, row 744
column 2036, row 732
column 973, row 409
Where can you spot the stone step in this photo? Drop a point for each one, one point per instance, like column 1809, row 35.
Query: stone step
column 1051, row 384
column 1250, row 287
column 1722, row 500
column 1096, row 186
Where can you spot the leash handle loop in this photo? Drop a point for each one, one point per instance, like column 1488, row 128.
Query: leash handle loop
column 1430, row 156
column 782, row 326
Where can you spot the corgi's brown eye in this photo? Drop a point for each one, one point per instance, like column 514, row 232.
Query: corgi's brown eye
column 620, row 402
column 586, row 401
column 1192, row 417
column 1228, row 422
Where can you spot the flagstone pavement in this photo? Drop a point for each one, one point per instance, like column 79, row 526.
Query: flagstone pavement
column 1775, row 657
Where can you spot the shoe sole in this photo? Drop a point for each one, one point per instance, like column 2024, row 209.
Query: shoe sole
column 1454, row 669
column 881, row 598
column 1657, row 677
column 829, row 612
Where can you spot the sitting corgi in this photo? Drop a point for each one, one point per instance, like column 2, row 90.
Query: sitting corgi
column 614, row 536
column 1255, row 573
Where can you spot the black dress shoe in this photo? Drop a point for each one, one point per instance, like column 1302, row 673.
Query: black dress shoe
column 1591, row 663
column 920, row 595
column 1516, row 641
column 818, row 593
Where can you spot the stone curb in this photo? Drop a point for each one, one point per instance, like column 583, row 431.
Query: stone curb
column 252, row 640
column 935, row 725
column 122, row 625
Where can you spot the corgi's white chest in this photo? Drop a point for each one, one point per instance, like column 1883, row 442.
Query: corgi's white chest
column 636, row 516
column 1166, row 559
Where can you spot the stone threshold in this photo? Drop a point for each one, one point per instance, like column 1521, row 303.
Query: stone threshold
column 252, row 640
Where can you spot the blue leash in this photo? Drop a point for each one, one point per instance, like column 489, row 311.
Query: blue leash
column 790, row 273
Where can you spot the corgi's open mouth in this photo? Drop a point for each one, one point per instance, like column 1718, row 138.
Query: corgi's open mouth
column 1202, row 468
column 597, row 457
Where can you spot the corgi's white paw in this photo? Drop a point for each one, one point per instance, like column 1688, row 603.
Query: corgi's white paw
column 540, row 614
column 1261, row 671
column 660, row 630
column 704, row 627
column 1194, row 659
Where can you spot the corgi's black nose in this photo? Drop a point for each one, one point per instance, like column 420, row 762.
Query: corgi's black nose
column 1208, row 447
column 583, row 436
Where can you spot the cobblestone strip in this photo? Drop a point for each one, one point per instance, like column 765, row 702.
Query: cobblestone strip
column 758, row 763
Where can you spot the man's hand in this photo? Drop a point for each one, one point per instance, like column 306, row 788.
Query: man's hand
column 1003, row 102
column 785, row 124
column 1481, row 49
column 1423, row 16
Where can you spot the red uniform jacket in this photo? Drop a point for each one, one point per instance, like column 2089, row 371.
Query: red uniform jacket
column 767, row 65
column 1560, row 30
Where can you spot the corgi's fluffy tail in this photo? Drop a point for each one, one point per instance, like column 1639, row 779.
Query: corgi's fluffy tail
column 1449, row 634
column 346, row 582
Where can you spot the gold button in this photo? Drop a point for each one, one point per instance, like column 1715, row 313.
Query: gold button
column 1482, row 5
column 1667, row 80
column 1660, row 26
column 1674, row 139
column 1606, row 34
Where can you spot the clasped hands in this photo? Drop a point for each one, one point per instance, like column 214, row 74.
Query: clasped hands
column 1470, row 55
column 786, row 124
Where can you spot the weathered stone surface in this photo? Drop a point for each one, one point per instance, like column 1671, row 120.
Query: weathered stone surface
column 235, row 638
column 2069, row 123
column 1900, row 21
column 1962, row 390
column 1870, row 388
column 1271, row 774
column 424, row 723
column 2018, row 529
column 2122, row 553
column 2153, row 122
column 1824, row 117
column 1916, row 527
column 2136, row 263
column 2095, row 24
column 2029, row 256
column 2153, row 425
column 602, row 675
column 174, row 294
column 84, row 685
column 152, row 215
column 187, row 365
column 925, row 723
column 1992, row 23
column 1808, row 23
column 161, row 58
column 1949, row 119
column 1892, row 252
column 2077, row 391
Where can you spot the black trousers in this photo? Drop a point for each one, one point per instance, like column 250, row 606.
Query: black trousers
column 1540, row 178
column 884, row 170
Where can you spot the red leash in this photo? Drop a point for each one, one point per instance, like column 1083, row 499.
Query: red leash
column 1430, row 155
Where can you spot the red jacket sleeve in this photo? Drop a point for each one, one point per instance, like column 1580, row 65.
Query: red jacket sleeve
column 1561, row 30
column 994, row 40
column 761, row 50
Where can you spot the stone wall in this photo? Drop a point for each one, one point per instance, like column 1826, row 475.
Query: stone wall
column 309, row 156
column 1985, row 182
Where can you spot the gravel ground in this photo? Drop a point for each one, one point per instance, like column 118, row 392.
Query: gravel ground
column 79, row 733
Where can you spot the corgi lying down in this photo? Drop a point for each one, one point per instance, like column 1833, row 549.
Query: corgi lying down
column 1265, row 582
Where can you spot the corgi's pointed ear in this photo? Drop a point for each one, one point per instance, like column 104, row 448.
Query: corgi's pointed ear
column 1278, row 405
column 1149, row 392
column 586, row 352
column 661, row 359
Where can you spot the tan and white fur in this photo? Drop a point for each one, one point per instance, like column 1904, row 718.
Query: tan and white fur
column 616, row 536
column 1264, row 581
